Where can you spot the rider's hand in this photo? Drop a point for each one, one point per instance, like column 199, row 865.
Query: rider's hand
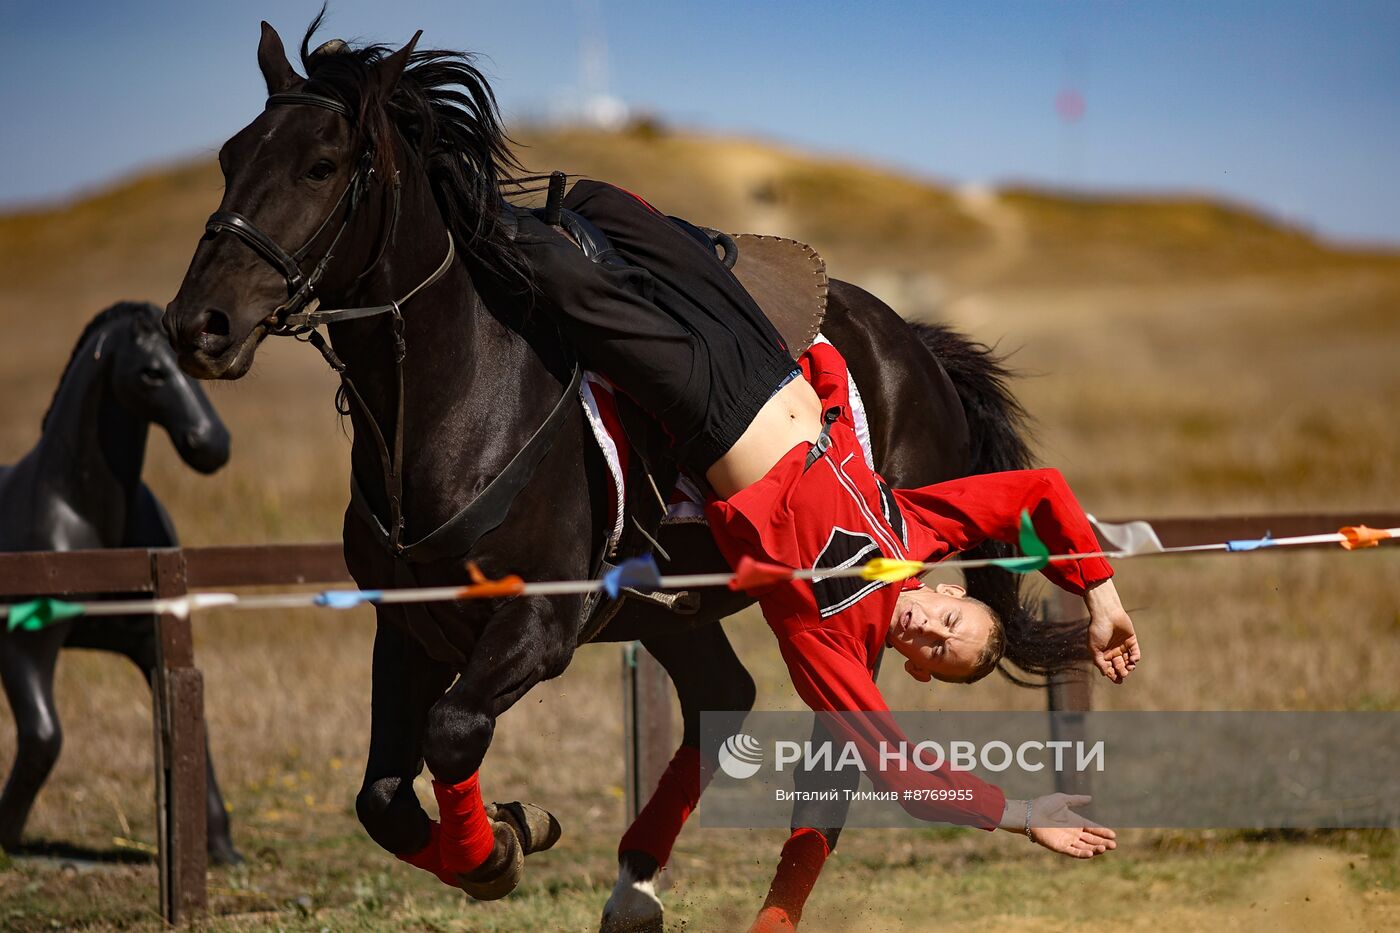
column 1112, row 641
column 1058, row 828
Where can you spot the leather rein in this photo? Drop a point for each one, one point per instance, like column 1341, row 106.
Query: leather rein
column 301, row 314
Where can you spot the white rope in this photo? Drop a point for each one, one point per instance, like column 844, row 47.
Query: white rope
column 182, row 606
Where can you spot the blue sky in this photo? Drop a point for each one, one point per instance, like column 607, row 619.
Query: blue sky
column 1290, row 106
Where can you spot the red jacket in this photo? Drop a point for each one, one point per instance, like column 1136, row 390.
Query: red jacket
column 840, row 513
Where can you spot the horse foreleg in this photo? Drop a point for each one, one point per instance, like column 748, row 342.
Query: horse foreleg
column 483, row 848
column 406, row 683
column 27, row 662
column 708, row 675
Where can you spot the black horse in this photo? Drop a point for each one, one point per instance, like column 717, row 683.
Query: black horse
column 79, row 488
column 387, row 170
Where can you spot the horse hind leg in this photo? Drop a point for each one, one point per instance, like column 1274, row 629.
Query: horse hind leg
column 708, row 675
column 27, row 661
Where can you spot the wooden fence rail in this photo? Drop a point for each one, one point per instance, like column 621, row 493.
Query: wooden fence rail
column 178, row 707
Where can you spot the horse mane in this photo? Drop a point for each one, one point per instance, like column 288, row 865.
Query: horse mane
column 447, row 114
column 140, row 311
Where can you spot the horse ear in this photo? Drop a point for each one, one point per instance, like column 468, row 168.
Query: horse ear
column 389, row 70
column 272, row 59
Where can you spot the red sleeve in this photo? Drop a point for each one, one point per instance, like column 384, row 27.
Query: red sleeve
column 828, row 672
column 825, row 369
column 962, row 513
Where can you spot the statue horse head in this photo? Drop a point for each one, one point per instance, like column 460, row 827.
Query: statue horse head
column 123, row 357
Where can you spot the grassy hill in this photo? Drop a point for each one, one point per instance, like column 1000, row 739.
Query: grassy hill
column 860, row 216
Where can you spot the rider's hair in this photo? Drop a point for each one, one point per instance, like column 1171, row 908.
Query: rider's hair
column 1040, row 647
column 990, row 655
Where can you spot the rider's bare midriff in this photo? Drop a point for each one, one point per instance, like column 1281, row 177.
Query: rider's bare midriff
column 791, row 417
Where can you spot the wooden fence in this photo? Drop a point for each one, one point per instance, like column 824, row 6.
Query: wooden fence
column 178, row 707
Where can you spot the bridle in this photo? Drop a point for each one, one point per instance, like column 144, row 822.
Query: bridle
column 301, row 314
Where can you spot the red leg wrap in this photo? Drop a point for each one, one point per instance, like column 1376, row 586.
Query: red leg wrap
column 804, row 854
column 655, row 829
column 772, row 920
column 429, row 858
column 466, row 839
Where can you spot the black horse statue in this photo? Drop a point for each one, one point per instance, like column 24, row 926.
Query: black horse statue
column 80, row 488
column 387, row 170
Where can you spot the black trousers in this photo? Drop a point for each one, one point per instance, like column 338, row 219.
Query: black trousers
column 674, row 330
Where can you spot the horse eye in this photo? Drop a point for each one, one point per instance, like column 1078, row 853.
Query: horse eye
column 321, row 171
column 153, row 376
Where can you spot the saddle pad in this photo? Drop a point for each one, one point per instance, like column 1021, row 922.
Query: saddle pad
column 788, row 281
column 686, row 502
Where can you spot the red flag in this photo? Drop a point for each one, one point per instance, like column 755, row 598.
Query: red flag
column 754, row 574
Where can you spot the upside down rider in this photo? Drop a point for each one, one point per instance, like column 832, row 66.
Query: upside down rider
column 789, row 485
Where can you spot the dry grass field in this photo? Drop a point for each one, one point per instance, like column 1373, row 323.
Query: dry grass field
column 1180, row 357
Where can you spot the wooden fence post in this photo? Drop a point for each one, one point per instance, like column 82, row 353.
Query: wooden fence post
column 646, row 704
column 178, row 704
column 1068, row 694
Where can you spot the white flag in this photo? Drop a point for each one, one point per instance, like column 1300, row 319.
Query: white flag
column 1129, row 538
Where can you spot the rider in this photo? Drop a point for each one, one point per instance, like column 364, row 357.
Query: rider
column 774, row 442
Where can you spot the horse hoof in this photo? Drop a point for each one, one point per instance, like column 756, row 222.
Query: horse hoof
column 537, row 828
column 223, row 854
column 501, row 874
column 633, row 908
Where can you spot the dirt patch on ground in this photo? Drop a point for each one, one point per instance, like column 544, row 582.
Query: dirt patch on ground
column 1304, row 889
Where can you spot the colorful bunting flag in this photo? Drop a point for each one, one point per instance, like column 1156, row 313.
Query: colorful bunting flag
column 1359, row 536
column 753, row 575
column 346, row 599
column 638, row 573
column 39, row 614
column 1128, row 538
column 891, row 570
column 482, row 587
column 1037, row 555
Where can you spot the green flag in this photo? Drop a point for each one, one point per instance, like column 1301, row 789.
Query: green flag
column 38, row 614
column 1036, row 553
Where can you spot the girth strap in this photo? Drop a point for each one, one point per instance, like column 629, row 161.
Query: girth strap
column 460, row 533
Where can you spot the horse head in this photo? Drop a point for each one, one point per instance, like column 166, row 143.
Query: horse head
column 297, row 181
column 145, row 379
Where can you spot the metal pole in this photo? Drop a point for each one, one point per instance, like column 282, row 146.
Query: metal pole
column 1068, row 696
column 178, row 705
column 646, row 699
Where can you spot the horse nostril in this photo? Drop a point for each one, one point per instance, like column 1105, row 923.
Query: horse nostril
column 215, row 323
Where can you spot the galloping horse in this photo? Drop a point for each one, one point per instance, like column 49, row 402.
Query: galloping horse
column 386, row 170
column 80, row 487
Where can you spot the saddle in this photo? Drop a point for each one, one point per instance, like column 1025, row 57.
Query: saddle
column 787, row 280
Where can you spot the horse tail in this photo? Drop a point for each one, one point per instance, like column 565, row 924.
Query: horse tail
column 999, row 435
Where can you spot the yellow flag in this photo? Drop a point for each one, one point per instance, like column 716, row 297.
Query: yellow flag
column 889, row 570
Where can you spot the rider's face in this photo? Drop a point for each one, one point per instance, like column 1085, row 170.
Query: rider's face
column 940, row 632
